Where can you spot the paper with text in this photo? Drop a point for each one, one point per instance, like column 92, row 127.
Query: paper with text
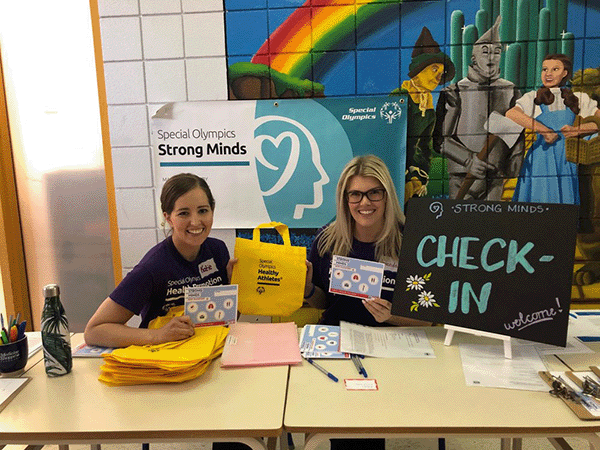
column 388, row 342
column 485, row 365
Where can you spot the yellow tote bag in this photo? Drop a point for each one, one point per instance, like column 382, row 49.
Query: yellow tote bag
column 270, row 277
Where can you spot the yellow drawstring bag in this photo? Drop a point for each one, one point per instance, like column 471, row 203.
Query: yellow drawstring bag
column 270, row 277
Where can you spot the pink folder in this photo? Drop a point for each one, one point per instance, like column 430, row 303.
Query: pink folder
column 261, row 344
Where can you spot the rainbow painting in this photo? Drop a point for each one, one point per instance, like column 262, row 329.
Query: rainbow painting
column 299, row 44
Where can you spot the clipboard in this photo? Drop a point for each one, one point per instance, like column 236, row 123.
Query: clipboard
column 579, row 410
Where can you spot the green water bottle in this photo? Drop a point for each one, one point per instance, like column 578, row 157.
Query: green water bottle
column 56, row 338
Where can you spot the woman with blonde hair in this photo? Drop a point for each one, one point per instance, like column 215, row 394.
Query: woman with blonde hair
column 368, row 226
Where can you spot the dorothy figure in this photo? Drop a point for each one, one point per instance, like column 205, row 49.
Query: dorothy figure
column 546, row 175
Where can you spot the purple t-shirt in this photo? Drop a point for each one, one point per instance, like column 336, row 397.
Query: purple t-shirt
column 343, row 307
column 157, row 282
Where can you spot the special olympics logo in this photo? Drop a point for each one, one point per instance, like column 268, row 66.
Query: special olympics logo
column 260, row 289
column 390, row 111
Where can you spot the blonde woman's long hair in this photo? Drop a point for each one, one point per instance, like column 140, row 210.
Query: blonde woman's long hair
column 337, row 237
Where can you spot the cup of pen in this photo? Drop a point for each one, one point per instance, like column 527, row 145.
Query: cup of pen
column 13, row 357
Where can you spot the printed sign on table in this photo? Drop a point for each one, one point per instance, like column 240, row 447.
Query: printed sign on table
column 500, row 267
column 211, row 305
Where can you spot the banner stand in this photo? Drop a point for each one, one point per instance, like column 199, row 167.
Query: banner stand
column 450, row 334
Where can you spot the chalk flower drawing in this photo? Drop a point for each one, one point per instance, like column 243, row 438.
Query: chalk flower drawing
column 426, row 299
column 416, row 282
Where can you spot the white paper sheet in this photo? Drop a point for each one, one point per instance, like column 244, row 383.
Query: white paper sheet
column 586, row 323
column 573, row 346
column 485, row 365
column 389, row 342
column 34, row 341
column 9, row 388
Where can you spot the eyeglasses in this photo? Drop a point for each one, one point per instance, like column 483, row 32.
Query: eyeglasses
column 375, row 195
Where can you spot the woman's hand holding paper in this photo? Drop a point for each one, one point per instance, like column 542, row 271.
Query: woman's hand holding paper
column 380, row 309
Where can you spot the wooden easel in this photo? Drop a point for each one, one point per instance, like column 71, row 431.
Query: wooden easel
column 450, row 334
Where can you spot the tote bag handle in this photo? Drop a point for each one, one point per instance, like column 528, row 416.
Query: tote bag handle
column 281, row 228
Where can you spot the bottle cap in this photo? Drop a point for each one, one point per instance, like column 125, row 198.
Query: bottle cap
column 51, row 290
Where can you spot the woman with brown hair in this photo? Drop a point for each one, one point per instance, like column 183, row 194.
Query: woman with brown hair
column 154, row 288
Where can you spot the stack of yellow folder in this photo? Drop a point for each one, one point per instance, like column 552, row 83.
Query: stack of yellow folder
column 171, row 362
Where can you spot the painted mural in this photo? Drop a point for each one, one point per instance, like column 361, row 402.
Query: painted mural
column 502, row 94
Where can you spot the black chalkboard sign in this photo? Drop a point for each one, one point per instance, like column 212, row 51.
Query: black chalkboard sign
column 501, row 267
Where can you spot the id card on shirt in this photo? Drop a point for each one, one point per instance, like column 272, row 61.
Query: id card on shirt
column 356, row 277
column 211, row 305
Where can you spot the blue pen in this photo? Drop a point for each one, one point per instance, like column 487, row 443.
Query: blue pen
column 21, row 327
column 362, row 368
column 354, row 359
column 329, row 374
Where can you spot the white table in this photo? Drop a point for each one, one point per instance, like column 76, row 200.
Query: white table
column 423, row 398
column 242, row 405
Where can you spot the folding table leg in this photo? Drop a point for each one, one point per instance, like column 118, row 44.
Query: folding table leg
column 560, row 444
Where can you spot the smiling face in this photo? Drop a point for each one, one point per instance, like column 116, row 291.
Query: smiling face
column 191, row 221
column 368, row 215
column 553, row 72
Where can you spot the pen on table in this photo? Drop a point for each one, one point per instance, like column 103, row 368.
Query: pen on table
column 354, row 359
column 329, row 374
column 361, row 368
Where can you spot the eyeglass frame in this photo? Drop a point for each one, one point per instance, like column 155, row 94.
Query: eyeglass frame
column 363, row 194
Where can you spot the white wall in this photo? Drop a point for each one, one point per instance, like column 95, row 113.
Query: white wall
column 154, row 52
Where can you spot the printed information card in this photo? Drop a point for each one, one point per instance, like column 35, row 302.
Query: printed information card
column 211, row 305
column 321, row 341
column 356, row 277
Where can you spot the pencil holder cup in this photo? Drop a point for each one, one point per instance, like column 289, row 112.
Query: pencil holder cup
column 13, row 357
